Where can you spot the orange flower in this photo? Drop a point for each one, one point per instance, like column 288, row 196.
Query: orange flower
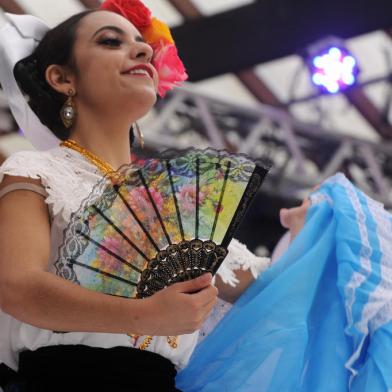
column 157, row 32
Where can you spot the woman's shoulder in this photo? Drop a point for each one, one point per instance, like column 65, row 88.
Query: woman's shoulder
column 62, row 173
column 30, row 163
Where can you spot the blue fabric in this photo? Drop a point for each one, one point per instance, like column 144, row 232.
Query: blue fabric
column 320, row 318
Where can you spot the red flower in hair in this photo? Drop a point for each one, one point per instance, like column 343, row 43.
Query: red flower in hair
column 133, row 10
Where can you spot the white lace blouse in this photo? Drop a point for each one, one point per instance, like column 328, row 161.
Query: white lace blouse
column 68, row 178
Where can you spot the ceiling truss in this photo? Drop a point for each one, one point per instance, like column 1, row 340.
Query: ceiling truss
column 259, row 89
column 302, row 154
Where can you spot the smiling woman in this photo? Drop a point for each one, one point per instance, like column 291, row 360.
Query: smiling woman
column 87, row 81
column 96, row 70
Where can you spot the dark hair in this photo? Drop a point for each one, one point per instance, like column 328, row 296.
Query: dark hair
column 55, row 48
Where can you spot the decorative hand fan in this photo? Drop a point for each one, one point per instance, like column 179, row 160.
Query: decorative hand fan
column 166, row 221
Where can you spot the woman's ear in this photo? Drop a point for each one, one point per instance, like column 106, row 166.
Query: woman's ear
column 60, row 79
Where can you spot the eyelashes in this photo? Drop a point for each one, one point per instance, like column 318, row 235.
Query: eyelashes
column 115, row 43
column 112, row 42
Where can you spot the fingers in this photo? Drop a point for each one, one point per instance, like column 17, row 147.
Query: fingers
column 203, row 302
column 206, row 296
column 194, row 285
column 187, row 305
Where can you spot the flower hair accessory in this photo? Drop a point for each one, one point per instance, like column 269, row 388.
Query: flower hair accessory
column 171, row 70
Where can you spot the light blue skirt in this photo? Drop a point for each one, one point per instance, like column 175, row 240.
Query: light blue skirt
column 320, row 318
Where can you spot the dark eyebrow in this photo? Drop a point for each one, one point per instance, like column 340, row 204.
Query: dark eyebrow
column 113, row 28
column 138, row 38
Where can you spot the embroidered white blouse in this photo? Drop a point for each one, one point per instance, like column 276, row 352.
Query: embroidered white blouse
column 68, row 178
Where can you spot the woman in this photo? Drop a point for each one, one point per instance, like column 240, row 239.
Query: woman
column 98, row 65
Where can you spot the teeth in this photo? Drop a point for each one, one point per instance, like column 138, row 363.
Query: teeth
column 139, row 71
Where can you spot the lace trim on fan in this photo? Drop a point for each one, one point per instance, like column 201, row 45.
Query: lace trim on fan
column 240, row 257
column 173, row 153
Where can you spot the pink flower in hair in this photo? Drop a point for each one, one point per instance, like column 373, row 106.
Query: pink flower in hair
column 170, row 68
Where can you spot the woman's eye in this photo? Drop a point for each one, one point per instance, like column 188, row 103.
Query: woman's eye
column 110, row 42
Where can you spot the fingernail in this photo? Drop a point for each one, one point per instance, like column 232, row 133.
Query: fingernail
column 207, row 276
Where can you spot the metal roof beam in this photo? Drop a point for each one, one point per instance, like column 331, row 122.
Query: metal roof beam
column 358, row 98
column 247, row 77
column 91, row 3
column 258, row 88
column 270, row 29
column 186, row 8
column 11, row 6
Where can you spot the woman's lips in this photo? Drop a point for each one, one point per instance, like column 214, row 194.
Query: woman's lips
column 140, row 70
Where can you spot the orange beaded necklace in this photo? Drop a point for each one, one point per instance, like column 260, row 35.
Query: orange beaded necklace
column 105, row 167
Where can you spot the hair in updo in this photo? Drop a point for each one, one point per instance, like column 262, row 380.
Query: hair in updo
column 55, row 48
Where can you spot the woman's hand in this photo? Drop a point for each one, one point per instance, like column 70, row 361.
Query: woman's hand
column 179, row 309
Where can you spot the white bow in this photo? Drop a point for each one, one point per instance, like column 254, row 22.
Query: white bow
column 18, row 39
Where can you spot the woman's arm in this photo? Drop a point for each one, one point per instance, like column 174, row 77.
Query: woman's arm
column 229, row 293
column 30, row 293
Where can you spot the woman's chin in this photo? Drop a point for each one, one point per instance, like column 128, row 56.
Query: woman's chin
column 145, row 94
column 140, row 108
column 143, row 98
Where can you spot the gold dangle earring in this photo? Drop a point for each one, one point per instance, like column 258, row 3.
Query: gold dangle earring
column 139, row 135
column 68, row 111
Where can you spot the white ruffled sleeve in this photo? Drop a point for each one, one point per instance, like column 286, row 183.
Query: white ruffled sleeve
column 29, row 164
column 240, row 257
column 22, row 163
column 66, row 177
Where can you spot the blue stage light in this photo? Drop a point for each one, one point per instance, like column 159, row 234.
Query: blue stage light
column 333, row 68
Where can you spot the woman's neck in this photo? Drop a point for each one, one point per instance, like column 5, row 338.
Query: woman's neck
column 109, row 141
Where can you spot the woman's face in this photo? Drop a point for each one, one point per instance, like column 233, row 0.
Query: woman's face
column 107, row 50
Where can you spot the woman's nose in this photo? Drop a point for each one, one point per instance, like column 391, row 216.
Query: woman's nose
column 142, row 51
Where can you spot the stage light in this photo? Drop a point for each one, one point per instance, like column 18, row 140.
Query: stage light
column 333, row 68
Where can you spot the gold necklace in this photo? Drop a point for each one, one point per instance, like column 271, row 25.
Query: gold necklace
column 105, row 167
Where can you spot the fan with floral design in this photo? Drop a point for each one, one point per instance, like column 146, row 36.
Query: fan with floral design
column 169, row 219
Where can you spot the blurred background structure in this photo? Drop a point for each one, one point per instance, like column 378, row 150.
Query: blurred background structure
column 305, row 84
